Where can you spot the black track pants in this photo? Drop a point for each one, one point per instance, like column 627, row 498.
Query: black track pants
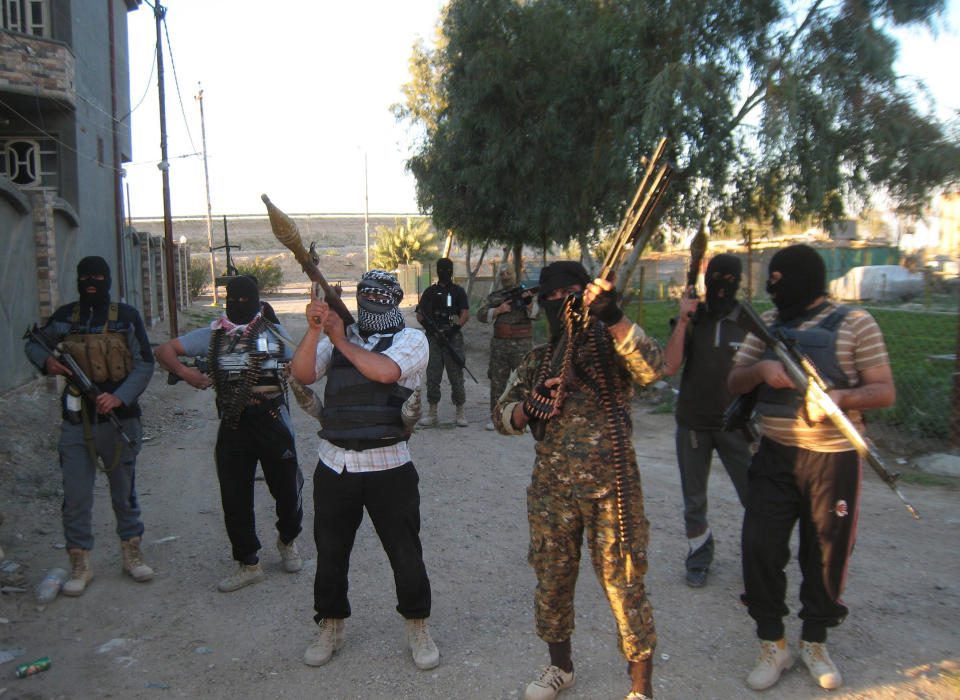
column 820, row 490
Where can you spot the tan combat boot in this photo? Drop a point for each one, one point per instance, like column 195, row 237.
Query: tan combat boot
column 81, row 572
column 133, row 563
column 431, row 418
column 461, row 417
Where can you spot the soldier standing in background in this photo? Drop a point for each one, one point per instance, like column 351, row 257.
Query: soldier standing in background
column 446, row 304
column 512, row 335
column 704, row 340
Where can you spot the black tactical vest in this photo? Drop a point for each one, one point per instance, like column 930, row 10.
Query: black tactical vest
column 819, row 343
column 359, row 413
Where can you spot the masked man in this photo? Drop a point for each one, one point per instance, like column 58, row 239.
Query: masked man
column 373, row 370
column 805, row 470
column 246, row 354
column 109, row 343
column 704, row 340
column 512, row 335
column 585, row 477
column 446, row 304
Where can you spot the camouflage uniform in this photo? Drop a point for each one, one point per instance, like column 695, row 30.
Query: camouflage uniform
column 506, row 354
column 573, row 491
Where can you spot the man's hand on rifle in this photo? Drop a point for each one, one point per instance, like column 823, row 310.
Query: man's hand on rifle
column 502, row 309
column 195, row 378
column 106, row 402
column 53, row 366
column 773, row 374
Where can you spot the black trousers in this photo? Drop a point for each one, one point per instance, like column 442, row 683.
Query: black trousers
column 821, row 491
column 267, row 438
column 392, row 498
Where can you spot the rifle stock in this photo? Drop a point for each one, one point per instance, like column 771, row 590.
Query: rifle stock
column 285, row 231
column 805, row 376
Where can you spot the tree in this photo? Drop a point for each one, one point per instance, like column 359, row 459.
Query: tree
column 535, row 114
column 405, row 242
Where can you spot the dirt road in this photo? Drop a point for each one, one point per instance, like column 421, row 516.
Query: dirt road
column 178, row 637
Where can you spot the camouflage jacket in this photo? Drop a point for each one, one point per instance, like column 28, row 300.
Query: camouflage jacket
column 576, row 453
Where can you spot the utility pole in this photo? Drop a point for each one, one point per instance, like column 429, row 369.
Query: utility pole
column 158, row 12
column 206, row 181
column 366, row 216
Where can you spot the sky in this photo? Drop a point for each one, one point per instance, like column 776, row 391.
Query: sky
column 296, row 102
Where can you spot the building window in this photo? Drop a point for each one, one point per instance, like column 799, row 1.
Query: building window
column 27, row 17
column 30, row 162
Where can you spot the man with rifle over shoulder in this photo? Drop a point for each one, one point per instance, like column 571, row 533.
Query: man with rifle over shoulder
column 705, row 338
column 805, row 470
column 511, row 310
column 445, row 304
column 107, row 342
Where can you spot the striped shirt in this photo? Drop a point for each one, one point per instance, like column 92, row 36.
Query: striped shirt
column 859, row 346
column 410, row 351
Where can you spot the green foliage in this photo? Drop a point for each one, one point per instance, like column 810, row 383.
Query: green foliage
column 405, row 242
column 267, row 270
column 535, row 113
column 199, row 276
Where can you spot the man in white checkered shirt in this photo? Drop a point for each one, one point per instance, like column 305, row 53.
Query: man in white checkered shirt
column 373, row 370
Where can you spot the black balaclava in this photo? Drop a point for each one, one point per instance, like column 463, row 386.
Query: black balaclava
column 723, row 264
column 93, row 265
column 559, row 275
column 241, row 312
column 379, row 315
column 803, row 280
column 445, row 270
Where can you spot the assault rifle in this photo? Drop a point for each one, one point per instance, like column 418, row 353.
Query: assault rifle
column 79, row 382
column 515, row 295
column 807, row 379
column 431, row 327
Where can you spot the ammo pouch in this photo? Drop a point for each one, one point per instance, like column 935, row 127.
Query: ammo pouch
column 102, row 356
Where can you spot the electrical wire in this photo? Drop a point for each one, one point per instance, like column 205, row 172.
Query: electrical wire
column 176, row 82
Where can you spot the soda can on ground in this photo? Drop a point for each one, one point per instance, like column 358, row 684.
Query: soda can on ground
column 41, row 664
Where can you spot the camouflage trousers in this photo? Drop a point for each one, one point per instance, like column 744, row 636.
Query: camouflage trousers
column 440, row 357
column 506, row 354
column 557, row 525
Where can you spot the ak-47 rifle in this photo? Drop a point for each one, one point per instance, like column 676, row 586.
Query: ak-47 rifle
column 515, row 295
column 285, row 231
column 80, row 383
column 807, row 379
column 434, row 332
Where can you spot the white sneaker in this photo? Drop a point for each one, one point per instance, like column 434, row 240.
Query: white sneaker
column 243, row 576
column 551, row 681
column 329, row 638
column 821, row 666
column 425, row 652
column 292, row 563
column 771, row 662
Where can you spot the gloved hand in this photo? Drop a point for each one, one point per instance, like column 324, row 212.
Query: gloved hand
column 604, row 308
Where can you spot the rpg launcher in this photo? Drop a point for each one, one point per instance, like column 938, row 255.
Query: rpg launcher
column 434, row 332
column 515, row 295
column 806, row 378
column 79, row 384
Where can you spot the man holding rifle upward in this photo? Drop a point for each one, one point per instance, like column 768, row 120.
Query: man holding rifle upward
column 805, row 470
column 109, row 344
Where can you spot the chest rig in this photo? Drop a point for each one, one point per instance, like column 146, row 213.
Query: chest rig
column 103, row 356
column 239, row 363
